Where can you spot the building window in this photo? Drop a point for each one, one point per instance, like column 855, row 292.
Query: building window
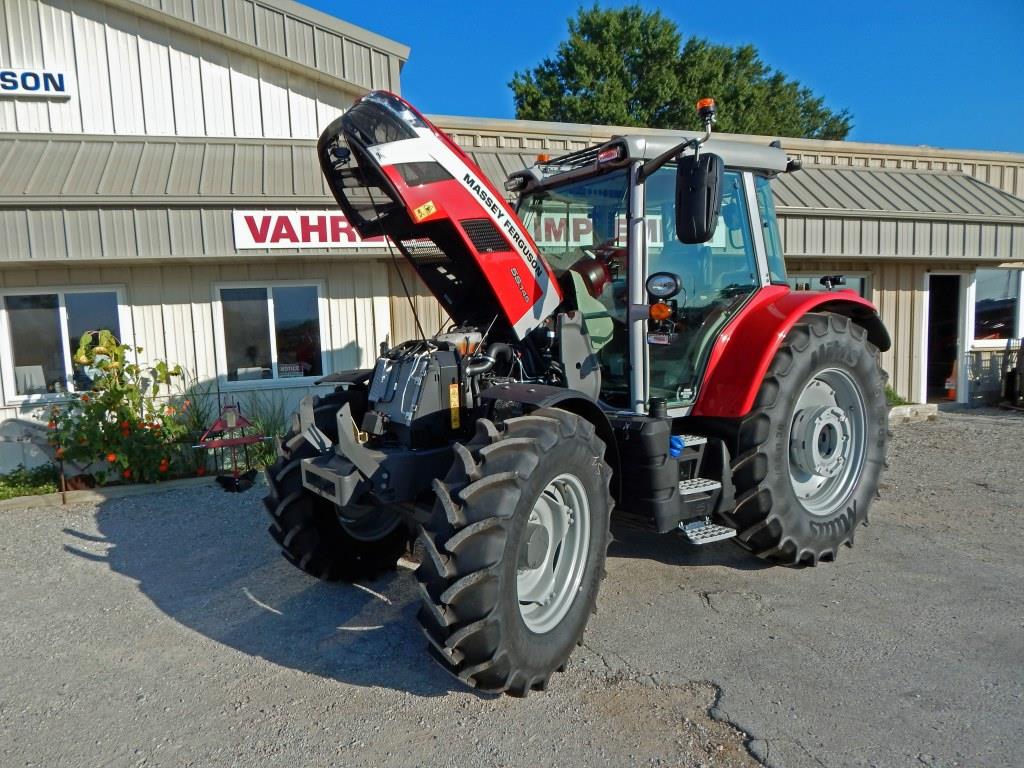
column 997, row 304
column 41, row 332
column 270, row 332
column 858, row 283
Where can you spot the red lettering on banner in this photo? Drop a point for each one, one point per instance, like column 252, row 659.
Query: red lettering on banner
column 283, row 230
column 317, row 225
column 580, row 227
column 259, row 235
column 554, row 230
column 341, row 231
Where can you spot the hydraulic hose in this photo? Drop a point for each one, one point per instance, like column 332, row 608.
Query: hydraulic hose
column 485, row 361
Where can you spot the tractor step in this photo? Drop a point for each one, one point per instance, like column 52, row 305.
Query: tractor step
column 698, row 485
column 705, row 532
column 698, row 496
column 693, row 440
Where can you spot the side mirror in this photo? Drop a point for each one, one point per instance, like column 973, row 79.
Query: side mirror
column 698, row 197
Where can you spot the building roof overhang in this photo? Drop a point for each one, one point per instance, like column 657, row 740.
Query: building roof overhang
column 52, row 185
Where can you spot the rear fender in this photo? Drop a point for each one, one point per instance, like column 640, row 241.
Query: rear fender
column 743, row 351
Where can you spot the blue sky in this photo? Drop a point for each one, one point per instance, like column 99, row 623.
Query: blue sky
column 939, row 73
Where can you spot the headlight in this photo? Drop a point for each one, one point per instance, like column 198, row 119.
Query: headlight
column 663, row 285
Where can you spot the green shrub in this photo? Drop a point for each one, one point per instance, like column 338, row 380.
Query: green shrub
column 893, row 398
column 121, row 429
column 30, row 482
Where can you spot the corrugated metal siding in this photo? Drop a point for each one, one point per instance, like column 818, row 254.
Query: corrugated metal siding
column 893, row 191
column 903, row 214
column 102, row 169
column 172, row 312
column 403, row 321
column 1002, row 170
column 136, row 76
column 282, row 31
column 811, row 235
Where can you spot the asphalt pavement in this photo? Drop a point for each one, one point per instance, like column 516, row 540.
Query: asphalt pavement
column 166, row 630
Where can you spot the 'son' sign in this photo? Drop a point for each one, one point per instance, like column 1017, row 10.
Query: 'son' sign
column 36, row 84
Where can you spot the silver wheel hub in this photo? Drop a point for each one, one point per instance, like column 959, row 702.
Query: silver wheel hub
column 819, row 441
column 827, row 441
column 553, row 555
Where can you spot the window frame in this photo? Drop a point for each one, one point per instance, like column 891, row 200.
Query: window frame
column 275, row 382
column 972, row 310
column 8, row 383
column 865, row 276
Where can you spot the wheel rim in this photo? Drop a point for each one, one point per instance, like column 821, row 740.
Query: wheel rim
column 554, row 553
column 827, row 442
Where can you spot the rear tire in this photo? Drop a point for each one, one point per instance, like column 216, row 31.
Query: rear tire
column 307, row 526
column 812, row 449
column 505, row 600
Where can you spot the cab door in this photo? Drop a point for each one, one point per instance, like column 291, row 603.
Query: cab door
column 716, row 278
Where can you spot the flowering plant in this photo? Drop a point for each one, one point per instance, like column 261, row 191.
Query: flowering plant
column 120, row 427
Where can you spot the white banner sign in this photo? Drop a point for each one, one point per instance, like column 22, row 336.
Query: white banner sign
column 577, row 230
column 36, row 84
column 297, row 229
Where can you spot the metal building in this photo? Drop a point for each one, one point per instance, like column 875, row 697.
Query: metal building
column 157, row 177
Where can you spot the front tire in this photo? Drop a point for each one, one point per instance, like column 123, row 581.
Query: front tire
column 312, row 536
column 812, row 449
column 516, row 550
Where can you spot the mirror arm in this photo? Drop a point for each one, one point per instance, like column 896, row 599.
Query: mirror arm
column 653, row 165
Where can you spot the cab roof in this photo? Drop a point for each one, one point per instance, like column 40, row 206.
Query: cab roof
column 618, row 151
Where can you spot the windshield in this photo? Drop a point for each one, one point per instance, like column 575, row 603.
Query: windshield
column 580, row 228
column 574, row 221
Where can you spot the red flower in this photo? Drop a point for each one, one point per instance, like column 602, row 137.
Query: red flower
column 52, row 425
column 111, row 457
column 125, row 425
column 126, row 474
column 85, row 398
column 201, row 471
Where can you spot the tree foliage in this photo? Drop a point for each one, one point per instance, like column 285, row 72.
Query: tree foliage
column 629, row 67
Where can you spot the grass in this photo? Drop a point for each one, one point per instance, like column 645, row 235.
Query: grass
column 30, row 482
column 893, row 398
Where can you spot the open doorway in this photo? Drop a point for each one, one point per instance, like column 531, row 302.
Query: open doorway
column 944, row 324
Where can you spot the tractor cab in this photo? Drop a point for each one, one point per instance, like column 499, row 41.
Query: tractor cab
column 657, row 281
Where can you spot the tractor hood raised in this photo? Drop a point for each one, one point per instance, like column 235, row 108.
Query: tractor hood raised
column 394, row 173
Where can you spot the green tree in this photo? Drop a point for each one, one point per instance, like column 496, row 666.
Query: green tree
column 628, row 67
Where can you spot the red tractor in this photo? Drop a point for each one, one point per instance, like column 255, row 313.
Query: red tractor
column 623, row 337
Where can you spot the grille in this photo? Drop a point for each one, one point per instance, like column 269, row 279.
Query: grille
column 484, row 235
column 424, row 251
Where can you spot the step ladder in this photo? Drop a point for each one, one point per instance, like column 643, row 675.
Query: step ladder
column 697, row 494
column 705, row 532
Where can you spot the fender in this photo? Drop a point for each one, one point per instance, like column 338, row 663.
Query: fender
column 571, row 400
column 743, row 351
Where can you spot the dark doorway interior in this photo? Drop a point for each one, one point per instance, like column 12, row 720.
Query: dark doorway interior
column 943, row 332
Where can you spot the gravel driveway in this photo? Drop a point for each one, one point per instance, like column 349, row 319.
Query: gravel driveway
column 166, row 630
